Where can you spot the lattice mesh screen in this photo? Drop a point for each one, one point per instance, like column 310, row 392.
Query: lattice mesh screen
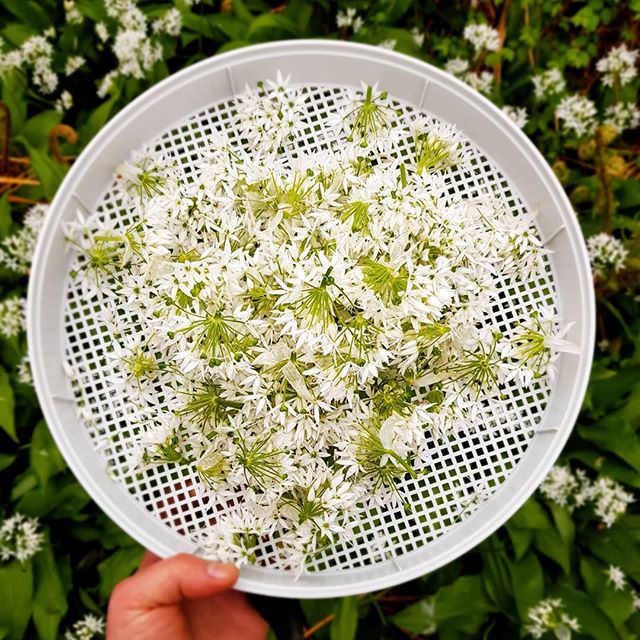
column 463, row 471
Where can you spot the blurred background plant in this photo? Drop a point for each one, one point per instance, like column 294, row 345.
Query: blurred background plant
column 568, row 563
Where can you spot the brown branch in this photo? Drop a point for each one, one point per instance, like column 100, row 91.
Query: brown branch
column 6, row 134
column 502, row 35
column 318, row 625
column 601, row 171
column 18, row 180
column 61, row 131
column 13, row 199
column 527, row 22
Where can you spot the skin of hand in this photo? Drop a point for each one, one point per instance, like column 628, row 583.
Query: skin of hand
column 182, row 598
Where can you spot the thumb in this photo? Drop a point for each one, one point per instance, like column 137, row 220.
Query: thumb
column 170, row 581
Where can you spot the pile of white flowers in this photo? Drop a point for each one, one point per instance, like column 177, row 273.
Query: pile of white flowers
column 20, row 538
column 87, row 628
column 295, row 326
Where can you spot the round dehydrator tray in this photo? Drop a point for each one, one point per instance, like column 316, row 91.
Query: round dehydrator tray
column 477, row 479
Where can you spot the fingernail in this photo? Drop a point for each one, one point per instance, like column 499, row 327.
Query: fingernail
column 221, row 571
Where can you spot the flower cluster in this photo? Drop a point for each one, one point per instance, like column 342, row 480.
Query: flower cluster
column 618, row 67
column 578, row 114
column 549, row 83
column 573, row 490
column 17, row 249
column 20, row 538
column 349, row 19
column 606, row 254
column 87, row 628
column 482, row 37
column 297, row 325
column 12, row 316
column 549, row 615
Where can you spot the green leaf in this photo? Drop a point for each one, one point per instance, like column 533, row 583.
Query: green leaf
column 564, row 523
column 36, row 130
column 16, row 587
column 29, row 12
column 593, row 623
column 521, row 539
column 528, row 583
column 5, row 217
column 418, row 618
column 14, row 85
column 7, row 419
column 49, row 172
column 97, row 119
column 616, row 545
column 44, row 457
column 50, row 599
column 271, row 26
column 550, row 543
column 345, row 624
column 462, row 606
column 61, row 498
column 117, row 567
column 6, row 460
column 531, row 515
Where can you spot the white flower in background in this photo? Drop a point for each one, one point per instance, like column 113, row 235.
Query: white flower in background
column 560, row 485
column 64, row 102
column 482, row 37
column 549, row 83
column 312, row 319
column 457, row 67
column 611, row 500
column 616, row 577
column 517, row 114
column 418, row 36
column 72, row 13
column 12, row 316
column 170, row 23
column 606, row 254
column 482, row 82
column 549, row 615
column 87, row 628
column 619, row 66
column 20, row 538
column 102, row 31
column 623, row 116
column 135, row 52
column 578, row 114
column 390, row 44
column 23, row 371
column 17, row 249
column 73, row 64
column 349, row 18
column 106, row 84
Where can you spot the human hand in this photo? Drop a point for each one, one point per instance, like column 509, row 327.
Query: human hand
column 182, row 598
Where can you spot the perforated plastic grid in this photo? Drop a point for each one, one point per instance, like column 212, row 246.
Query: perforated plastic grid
column 463, row 471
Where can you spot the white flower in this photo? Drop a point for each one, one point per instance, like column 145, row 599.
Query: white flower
column 482, row 37
column 72, row 13
column 17, row 249
column 611, row 500
column 106, row 83
column 517, row 114
column 549, row 83
column 101, row 31
column 12, row 316
column 19, row 538
column 618, row 66
column 560, row 485
column 136, row 53
column 482, row 82
column 23, row 371
column 457, row 67
column 389, row 43
column 170, row 23
column 418, row 36
column 606, row 254
column 87, row 628
column 616, row 576
column 73, row 64
column 64, row 102
column 623, row 116
column 578, row 114
column 549, row 615
column 349, row 18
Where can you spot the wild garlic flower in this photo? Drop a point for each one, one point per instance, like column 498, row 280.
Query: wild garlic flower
column 607, row 254
column 64, row 102
column 349, row 18
column 17, row 249
column 482, row 82
column 616, row 577
column 549, row 83
column 549, row 615
column 12, row 316
column 20, row 538
column 518, row 115
column 560, row 485
column 73, row 64
column 623, row 116
column 457, row 67
column 23, row 371
column 578, row 114
column 312, row 319
column 89, row 627
column 170, row 23
column 482, row 37
column 619, row 66
column 611, row 500
column 418, row 36
column 72, row 13
column 389, row 43
column 101, row 31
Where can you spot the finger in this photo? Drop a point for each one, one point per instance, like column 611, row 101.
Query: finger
column 148, row 559
column 172, row 580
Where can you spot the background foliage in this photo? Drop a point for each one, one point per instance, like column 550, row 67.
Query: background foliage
column 546, row 550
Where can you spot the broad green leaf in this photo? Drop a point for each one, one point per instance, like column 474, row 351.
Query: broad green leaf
column 564, row 523
column 117, row 567
column 271, row 26
column 97, row 119
column 5, row 217
column 29, row 12
column 462, row 606
column 345, row 624
column 616, row 545
column 6, row 460
column 496, row 578
column 528, row 583
column 550, row 543
column 49, row 172
column 44, row 456
column 316, row 610
column 14, row 85
column 7, row 418
column 50, row 599
column 521, row 539
column 593, row 623
column 531, row 515
column 36, row 130
column 418, row 618
column 61, row 498
column 16, row 589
